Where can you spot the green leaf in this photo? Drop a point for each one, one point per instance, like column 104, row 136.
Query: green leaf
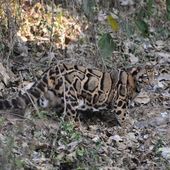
column 143, row 27
column 80, row 152
column 89, row 8
column 113, row 23
column 150, row 7
column 168, row 9
column 142, row 13
column 106, row 45
column 127, row 27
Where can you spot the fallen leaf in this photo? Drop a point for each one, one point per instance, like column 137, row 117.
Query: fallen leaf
column 142, row 98
column 113, row 23
column 133, row 59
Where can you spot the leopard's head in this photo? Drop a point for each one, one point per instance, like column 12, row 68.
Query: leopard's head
column 146, row 76
column 142, row 77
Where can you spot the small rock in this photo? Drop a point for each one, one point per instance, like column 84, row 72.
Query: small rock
column 131, row 136
column 133, row 59
column 96, row 139
column 116, row 138
column 164, row 114
column 165, row 152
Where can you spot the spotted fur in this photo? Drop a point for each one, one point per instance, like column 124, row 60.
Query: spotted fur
column 76, row 88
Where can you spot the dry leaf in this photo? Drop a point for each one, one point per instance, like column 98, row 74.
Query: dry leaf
column 142, row 98
column 113, row 23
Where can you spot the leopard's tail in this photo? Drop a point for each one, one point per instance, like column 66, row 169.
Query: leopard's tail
column 35, row 95
column 20, row 102
column 38, row 94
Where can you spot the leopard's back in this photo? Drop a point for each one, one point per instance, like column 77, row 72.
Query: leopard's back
column 81, row 88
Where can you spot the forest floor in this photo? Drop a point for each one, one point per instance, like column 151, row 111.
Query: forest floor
column 39, row 140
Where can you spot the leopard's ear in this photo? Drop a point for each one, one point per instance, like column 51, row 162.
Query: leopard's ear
column 152, row 66
column 134, row 71
column 147, row 67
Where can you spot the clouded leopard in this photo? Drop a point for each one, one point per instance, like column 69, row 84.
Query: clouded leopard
column 76, row 88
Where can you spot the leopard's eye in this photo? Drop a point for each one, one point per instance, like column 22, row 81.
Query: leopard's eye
column 144, row 76
column 156, row 74
column 138, row 88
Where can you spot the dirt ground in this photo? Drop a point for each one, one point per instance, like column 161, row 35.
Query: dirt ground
column 40, row 140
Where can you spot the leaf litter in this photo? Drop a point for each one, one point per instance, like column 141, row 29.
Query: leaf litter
column 41, row 142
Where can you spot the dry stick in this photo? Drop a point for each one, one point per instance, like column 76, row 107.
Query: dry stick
column 52, row 26
column 12, row 32
column 97, row 48
column 65, row 107
column 64, row 93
